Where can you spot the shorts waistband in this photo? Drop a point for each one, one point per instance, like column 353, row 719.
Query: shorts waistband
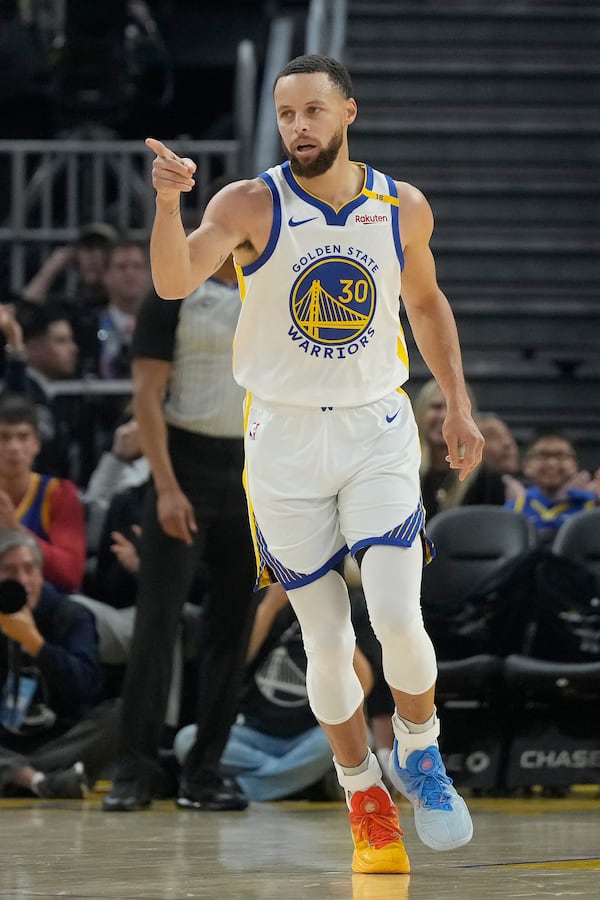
column 317, row 409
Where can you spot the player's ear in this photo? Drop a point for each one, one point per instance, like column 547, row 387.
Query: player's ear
column 351, row 110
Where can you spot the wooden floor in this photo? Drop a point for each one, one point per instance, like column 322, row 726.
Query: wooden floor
column 290, row 851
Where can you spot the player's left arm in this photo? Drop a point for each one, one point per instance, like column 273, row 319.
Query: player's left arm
column 434, row 329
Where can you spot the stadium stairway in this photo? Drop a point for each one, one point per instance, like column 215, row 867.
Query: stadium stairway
column 491, row 109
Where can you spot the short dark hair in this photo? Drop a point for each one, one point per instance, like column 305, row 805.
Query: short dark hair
column 550, row 435
column 16, row 409
column 97, row 234
column 128, row 243
column 35, row 319
column 311, row 63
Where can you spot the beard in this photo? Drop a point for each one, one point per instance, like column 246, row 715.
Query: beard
column 322, row 162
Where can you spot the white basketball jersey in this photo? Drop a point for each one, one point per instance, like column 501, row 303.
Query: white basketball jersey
column 320, row 318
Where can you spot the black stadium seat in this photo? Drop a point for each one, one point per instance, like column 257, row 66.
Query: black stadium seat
column 471, row 543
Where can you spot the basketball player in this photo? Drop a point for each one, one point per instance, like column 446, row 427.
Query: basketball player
column 321, row 244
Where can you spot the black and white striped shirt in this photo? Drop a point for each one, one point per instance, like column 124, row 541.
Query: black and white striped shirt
column 196, row 336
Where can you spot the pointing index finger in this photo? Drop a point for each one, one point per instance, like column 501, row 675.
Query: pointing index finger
column 160, row 149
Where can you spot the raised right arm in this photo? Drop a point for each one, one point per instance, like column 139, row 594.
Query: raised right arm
column 180, row 263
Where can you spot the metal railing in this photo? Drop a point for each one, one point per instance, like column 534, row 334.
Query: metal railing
column 56, row 186
column 244, row 105
column 326, row 28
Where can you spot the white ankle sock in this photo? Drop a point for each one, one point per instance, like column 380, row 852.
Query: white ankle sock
column 417, row 727
column 357, row 770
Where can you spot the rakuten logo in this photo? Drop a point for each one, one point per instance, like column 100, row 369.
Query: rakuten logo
column 369, row 220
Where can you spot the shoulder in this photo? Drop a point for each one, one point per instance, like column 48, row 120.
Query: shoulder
column 55, row 606
column 243, row 210
column 64, row 487
column 415, row 212
column 73, row 619
column 246, row 197
column 409, row 194
column 579, row 495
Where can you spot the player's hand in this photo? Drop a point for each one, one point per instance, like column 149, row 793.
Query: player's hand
column 465, row 443
column 171, row 174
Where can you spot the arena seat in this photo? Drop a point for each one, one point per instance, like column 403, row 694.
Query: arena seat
column 471, row 542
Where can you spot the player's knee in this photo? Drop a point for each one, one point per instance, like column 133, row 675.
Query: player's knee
column 398, row 619
column 330, row 648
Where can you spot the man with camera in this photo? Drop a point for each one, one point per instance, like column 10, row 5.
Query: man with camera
column 53, row 737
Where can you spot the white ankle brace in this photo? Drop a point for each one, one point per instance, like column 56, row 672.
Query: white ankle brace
column 407, row 741
column 361, row 782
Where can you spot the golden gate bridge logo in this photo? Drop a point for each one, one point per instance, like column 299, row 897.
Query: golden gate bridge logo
column 333, row 301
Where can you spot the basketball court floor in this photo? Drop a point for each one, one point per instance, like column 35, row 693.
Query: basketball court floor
column 290, row 851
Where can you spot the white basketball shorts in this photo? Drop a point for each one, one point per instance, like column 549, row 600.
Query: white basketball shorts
column 322, row 481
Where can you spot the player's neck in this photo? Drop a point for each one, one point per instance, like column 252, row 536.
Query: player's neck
column 340, row 184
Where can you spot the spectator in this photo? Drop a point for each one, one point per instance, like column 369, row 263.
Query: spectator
column 115, row 580
column 105, row 334
column 496, row 479
column 110, row 593
column 501, row 449
column 111, row 583
column 40, row 353
column 551, row 465
column 84, row 260
column 48, row 507
column 276, row 747
column 56, row 740
column 441, row 487
column 189, row 412
column 121, row 467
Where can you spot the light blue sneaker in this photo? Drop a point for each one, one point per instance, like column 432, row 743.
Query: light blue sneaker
column 442, row 819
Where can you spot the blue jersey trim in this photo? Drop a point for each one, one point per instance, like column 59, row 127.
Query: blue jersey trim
column 403, row 535
column 287, row 578
column 428, row 545
column 329, row 214
column 32, row 517
column 275, row 228
column 396, row 221
column 298, row 579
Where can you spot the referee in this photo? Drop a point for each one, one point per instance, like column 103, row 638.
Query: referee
column 189, row 412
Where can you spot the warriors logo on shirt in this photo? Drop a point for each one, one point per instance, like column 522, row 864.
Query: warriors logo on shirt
column 333, row 301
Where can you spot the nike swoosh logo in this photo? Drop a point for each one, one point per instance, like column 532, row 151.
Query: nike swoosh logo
column 293, row 224
column 391, row 418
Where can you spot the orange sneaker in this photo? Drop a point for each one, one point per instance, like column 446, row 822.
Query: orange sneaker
column 376, row 833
